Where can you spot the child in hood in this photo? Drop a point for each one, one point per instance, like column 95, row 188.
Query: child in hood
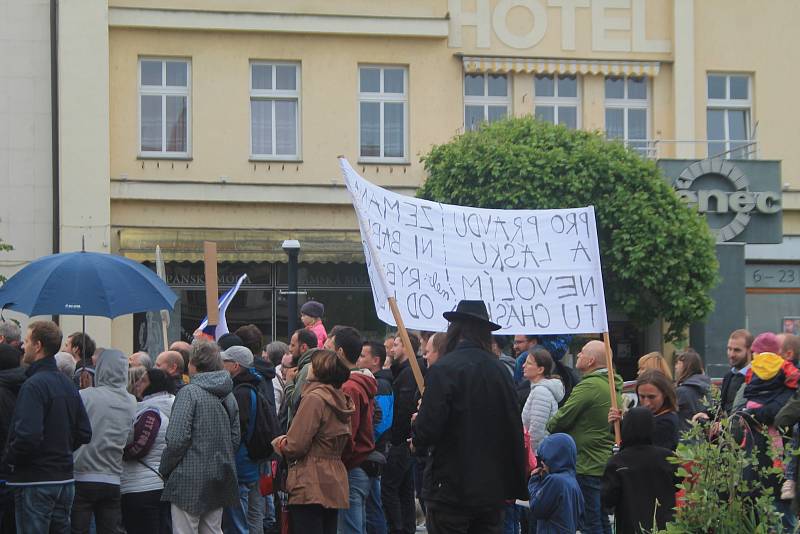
column 639, row 481
column 555, row 497
column 770, row 381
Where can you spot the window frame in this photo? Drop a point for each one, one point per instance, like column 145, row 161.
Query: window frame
column 273, row 95
column 383, row 98
column 557, row 101
column 728, row 104
column 484, row 101
column 164, row 91
column 627, row 104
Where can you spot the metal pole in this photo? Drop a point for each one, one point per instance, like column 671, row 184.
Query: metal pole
column 292, row 319
column 83, row 341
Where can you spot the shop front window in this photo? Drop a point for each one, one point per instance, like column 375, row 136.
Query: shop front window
column 343, row 288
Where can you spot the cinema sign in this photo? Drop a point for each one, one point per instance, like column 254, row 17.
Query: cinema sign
column 741, row 199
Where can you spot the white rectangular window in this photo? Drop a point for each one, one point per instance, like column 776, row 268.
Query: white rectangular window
column 628, row 110
column 383, row 114
column 728, row 116
column 487, row 98
column 164, row 107
column 274, row 110
column 557, row 99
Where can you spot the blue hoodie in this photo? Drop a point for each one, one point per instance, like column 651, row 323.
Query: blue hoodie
column 556, row 499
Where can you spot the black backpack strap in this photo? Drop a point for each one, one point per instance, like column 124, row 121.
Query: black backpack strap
column 151, row 469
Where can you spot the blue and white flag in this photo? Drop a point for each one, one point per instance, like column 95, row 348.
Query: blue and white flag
column 224, row 301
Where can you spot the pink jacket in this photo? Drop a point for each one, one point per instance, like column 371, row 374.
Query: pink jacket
column 319, row 330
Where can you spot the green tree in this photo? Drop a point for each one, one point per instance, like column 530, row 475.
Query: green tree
column 658, row 255
column 4, row 247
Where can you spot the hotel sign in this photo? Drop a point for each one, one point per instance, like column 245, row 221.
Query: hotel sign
column 616, row 25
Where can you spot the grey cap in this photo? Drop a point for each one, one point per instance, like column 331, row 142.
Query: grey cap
column 238, row 354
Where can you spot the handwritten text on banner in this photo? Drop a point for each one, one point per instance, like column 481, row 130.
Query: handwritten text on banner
column 537, row 270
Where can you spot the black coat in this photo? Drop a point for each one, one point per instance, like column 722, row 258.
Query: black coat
column 638, row 477
column 406, row 396
column 10, row 382
column 634, row 479
column 667, row 431
column 731, row 383
column 469, row 416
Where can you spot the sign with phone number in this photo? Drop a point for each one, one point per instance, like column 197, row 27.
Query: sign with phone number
column 776, row 276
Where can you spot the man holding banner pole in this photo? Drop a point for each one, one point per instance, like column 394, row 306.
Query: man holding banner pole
column 585, row 417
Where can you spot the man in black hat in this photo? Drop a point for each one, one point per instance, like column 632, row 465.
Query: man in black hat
column 469, row 417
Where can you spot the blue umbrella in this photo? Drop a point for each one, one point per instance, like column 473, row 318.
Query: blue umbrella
column 85, row 283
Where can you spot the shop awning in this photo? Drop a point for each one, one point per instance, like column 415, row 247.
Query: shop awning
column 503, row 65
column 240, row 245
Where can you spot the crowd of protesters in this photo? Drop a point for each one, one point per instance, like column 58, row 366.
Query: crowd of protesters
column 331, row 433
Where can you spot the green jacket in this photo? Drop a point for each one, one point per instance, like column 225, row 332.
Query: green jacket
column 585, row 417
column 294, row 390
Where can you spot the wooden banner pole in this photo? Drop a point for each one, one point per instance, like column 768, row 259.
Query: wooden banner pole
column 398, row 319
column 409, row 350
column 212, row 287
column 612, row 386
column 164, row 331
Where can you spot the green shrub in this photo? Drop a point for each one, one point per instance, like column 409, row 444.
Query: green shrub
column 720, row 499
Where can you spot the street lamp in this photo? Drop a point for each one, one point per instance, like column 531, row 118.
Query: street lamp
column 292, row 248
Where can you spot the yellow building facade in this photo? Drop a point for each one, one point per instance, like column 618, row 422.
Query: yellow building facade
column 192, row 120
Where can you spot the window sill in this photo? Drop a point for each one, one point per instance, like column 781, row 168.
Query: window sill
column 254, row 159
column 404, row 163
column 165, row 157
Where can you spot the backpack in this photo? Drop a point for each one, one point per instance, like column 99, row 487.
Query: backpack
column 568, row 378
column 262, row 426
column 384, row 405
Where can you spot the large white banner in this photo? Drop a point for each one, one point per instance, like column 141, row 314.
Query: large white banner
column 538, row 271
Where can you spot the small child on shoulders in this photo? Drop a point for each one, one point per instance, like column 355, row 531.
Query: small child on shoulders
column 769, row 384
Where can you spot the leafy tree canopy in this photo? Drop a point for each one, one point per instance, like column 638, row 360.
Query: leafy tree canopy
column 4, row 247
column 658, row 254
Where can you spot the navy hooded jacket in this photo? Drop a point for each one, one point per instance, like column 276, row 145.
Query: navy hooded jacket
column 555, row 498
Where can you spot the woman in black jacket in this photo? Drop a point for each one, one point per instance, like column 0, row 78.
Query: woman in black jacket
column 657, row 394
column 693, row 387
column 639, row 481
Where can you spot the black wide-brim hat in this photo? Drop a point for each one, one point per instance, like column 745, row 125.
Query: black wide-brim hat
column 471, row 310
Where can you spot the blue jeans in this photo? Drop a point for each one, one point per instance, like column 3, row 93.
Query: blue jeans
column 353, row 520
column 248, row 517
column 376, row 522
column 44, row 508
column 269, row 514
column 789, row 520
column 594, row 520
column 511, row 520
